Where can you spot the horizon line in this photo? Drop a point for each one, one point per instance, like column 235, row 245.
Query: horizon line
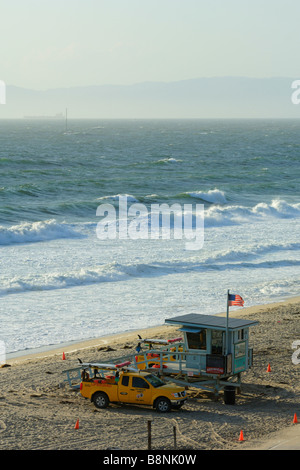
column 239, row 77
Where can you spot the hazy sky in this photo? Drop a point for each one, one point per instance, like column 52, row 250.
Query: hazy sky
column 50, row 43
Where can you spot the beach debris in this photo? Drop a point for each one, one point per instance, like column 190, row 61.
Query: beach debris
column 269, row 368
column 106, row 349
column 241, row 438
column 295, row 420
column 76, row 424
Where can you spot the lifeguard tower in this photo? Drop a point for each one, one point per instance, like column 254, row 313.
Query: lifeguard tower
column 214, row 346
column 215, row 351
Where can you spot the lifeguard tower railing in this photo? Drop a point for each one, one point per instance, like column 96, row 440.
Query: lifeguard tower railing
column 171, row 366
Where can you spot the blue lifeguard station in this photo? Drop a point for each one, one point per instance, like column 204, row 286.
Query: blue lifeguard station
column 213, row 352
column 215, row 346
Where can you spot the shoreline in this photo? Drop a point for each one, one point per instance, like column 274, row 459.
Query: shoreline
column 73, row 346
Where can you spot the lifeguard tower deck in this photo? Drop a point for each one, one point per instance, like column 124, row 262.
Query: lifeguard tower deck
column 214, row 352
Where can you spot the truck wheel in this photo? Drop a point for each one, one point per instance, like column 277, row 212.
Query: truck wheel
column 163, row 405
column 100, row 400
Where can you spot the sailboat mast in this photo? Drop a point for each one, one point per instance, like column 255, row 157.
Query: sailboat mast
column 66, row 120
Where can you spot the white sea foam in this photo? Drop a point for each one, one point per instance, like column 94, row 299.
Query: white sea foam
column 215, row 216
column 236, row 215
column 116, row 197
column 277, row 208
column 117, row 272
column 169, row 160
column 110, row 272
column 30, row 232
column 251, row 251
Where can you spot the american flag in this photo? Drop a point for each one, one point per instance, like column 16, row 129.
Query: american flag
column 235, row 300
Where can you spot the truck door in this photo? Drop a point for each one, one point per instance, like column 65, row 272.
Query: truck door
column 123, row 388
column 140, row 391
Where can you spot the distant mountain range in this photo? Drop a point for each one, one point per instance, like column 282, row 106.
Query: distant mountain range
column 222, row 97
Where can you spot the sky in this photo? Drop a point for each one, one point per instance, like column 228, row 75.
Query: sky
column 66, row 43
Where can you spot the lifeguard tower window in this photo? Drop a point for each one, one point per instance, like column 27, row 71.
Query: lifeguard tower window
column 241, row 335
column 196, row 340
column 217, row 342
column 240, row 350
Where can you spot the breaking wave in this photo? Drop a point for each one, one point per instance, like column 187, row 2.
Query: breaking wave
column 235, row 215
column 214, row 196
column 31, row 232
column 115, row 272
column 251, row 252
column 168, row 160
column 116, row 197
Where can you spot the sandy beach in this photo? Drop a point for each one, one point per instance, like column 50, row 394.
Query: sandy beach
column 38, row 411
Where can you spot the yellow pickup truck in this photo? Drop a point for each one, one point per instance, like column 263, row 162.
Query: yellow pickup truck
column 139, row 388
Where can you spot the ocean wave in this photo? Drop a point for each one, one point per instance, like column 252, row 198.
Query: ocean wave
column 31, row 232
column 237, row 215
column 251, row 252
column 116, row 197
column 115, row 272
column 110, row 272
column 215, row 215
column 278, row 208
column 280, row 288
column 167, row 160
column 214, row 196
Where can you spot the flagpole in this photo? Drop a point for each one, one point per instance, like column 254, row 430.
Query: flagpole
column 227, row 322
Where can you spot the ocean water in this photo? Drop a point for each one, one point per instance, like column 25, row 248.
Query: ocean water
column 60, row 283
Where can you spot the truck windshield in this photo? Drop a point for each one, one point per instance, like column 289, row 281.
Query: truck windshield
column 153, row 380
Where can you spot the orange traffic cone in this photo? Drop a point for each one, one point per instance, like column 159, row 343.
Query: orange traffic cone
column 269, row 368
column 241, row 438
column 77, row 425
column 63, row 356
column 295, row 419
